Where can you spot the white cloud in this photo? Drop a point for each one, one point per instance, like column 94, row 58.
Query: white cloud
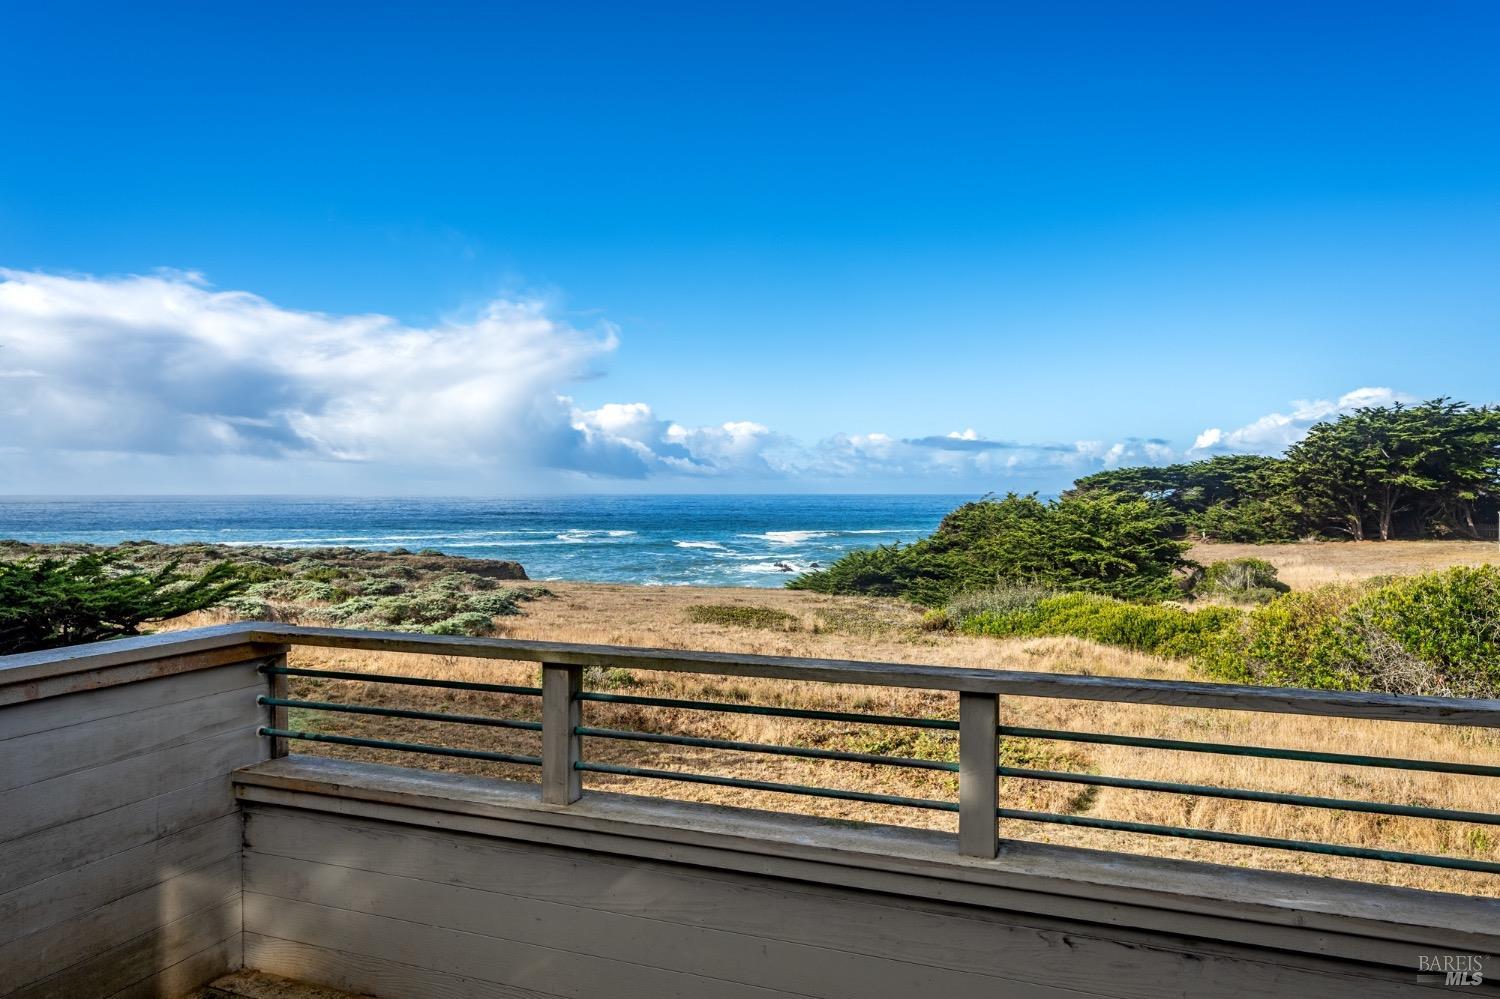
column 1275, row 432
column 739, row 447
column 165, row 364
column 144, row 371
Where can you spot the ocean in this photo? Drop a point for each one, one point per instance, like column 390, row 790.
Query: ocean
column 651, row 540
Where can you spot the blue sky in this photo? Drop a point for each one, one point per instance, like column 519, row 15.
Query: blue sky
column 794, row 248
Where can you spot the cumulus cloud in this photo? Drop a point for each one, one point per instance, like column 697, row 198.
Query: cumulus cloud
column 1275, row 432
column 961, row 456
column 143, row 370
column 165, row 364
column 655, row 445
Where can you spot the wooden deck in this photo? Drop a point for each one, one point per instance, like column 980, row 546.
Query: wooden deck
column 151, row 842
column 259, row 985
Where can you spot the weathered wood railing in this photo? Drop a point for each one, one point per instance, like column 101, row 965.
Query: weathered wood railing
column 150, row 841
column 978, row 726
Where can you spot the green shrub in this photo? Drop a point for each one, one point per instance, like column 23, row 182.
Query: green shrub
column 369, row 611
column 1162, row 630
column 275, row 589
column 1242, row 580
column 316, row 591
column 500, row 604
column 376, row 587
column 1091, row 542
column 608, row 678
column 455, row 582
column 1294, row 641
column 299, row 591
column 247, row 607
column 1450, row 619
column 937, row 619
column 471, row 623
column 1437, row 633
column 437, row 605
column 257, row 572
column 738, row 616
column 996, row 600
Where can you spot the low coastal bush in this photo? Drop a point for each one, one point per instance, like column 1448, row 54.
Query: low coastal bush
column 298, row 590
column 1161, row 629
column 1450, row 619
column 742, row 616
column 1095, row 543
column 252, row 571
column 1294, row 640
column 1239, row 580
column 1437, row 633
column 472, row 623
column 443, row 605
column 996, row 600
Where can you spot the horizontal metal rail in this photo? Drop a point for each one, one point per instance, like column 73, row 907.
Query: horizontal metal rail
column 366, row 709
column 1240, row 794
column 763, row 785
column 403, row 747
column 977, row 755
column 406, row 681
column 771, row 710
column 1240, row 839
column 1230, row 749
column 1422, row 709
column 762, row 747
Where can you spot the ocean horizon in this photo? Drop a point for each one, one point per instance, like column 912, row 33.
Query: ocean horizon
column 661, row 540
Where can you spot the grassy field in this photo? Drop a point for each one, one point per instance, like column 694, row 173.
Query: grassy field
column 1311, row 563
column 798, row 623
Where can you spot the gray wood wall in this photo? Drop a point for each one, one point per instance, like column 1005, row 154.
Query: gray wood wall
column 120, row 836
column 406, row 912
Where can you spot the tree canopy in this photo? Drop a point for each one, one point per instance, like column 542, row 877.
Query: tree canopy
column 1099, row 543
column 1389, row 470
column 51, row 602
column 1384, row 472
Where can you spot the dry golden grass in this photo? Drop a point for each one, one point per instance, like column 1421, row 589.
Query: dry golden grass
column 1312, row 563
column 856, row 628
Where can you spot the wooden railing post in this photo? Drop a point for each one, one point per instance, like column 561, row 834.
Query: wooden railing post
column 978, row 783
column 276, row 716
column 561, row 782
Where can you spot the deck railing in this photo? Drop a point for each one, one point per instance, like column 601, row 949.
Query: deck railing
column 978, row 726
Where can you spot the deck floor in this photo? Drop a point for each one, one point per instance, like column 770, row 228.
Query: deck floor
column 258, row 985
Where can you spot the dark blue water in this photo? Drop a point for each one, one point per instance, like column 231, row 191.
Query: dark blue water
column 660, row 540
